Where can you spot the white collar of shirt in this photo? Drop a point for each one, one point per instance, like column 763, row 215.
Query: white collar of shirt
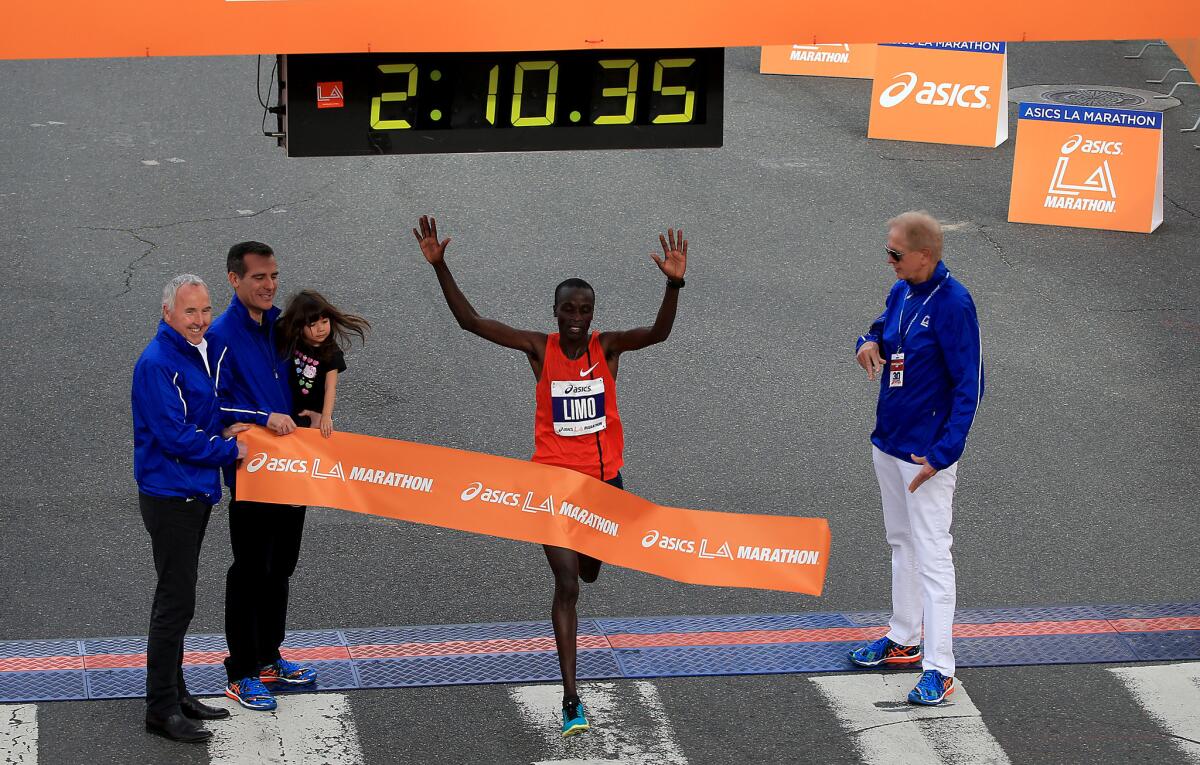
column 202, row 347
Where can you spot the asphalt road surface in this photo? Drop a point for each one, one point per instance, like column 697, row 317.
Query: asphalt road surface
column 1078, row 484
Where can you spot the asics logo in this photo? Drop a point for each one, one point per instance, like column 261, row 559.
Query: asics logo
column 933, row 93
column 898, row 91
column 256, row 462
column 588, row 371
column 1088, row 146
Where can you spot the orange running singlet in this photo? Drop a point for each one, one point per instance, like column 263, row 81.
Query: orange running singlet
column 577, row 425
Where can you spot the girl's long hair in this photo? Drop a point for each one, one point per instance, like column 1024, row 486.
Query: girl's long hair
column 307, row 306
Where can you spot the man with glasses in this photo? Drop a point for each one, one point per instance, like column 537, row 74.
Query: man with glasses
column 927, row 345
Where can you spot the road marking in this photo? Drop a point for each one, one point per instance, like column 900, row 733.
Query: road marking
column 307, row 728
column 18, row 734
column 149, row 162
column 629, row 725
column 887, row 730
column 1170, row 693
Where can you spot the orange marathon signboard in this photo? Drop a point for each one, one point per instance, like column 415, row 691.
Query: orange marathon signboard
column 954, row 93
column 526, row 501
column 820, row 59
column 1088, row 167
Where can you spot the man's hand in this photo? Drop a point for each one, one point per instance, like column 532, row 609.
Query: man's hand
column 234, row 429
column 674, row 260
column 433, row 250
column 242, row 451
column 927, row 471
column 869, row 359
column 280, row 424
column 327, row 426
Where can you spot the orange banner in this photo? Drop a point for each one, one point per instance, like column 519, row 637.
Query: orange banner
column 529, row 502
column 87, row 28
column 1188, row 51
column 1088, row 167
column 819, row 60
column 955, row 93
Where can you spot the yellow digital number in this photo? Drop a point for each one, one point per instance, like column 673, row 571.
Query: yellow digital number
column 551, row 93
column 689, row 100
column 493, row 84
column 629, row 92
column 393, row 96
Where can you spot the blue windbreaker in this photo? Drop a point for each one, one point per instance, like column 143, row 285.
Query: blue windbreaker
column 251, row 375
column 943, row 370
column 177, row 444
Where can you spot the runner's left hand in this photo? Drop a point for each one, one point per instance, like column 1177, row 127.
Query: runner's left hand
column 927, row 471
column 674, row 260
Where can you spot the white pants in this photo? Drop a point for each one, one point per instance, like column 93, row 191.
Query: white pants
column 918, row 529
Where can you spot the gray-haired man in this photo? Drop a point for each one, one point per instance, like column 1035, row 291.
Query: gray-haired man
column 178, row 450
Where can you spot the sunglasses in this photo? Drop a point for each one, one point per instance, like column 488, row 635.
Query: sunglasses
column 895, row 255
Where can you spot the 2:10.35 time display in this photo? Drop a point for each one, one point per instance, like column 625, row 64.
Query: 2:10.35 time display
column 400, row 103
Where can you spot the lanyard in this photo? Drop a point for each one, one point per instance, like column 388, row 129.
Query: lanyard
column 900, row 328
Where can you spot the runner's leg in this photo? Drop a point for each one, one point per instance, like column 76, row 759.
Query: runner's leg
column 565, row 565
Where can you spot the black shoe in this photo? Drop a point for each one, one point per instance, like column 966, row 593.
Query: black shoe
column 193, row 709
column 177, row 728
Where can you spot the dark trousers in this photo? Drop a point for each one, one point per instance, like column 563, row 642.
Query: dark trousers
column 266, row 545
column 176, row 529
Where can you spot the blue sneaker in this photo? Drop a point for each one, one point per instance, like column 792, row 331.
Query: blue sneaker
column 932, row 688
column 252, row 694
column 574, row 720
column 885, row 651
column 287, row 672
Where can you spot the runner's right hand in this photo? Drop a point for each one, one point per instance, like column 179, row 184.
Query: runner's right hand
column 433, row 250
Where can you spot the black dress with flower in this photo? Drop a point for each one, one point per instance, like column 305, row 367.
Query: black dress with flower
column 309, row 367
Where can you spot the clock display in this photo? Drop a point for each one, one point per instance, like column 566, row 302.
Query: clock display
column 398, row 103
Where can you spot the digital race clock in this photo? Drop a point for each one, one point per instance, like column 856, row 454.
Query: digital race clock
column 408, row 103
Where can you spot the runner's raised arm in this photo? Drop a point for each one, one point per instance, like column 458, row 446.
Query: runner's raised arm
column 673, row 264
column 532, row 343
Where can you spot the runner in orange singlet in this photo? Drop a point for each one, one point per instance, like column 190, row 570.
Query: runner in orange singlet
column 576, row 425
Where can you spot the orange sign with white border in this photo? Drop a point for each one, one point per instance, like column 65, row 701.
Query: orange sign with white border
column 953, row 93
column 526, row 501
column 1088, row 167
column 820, row 60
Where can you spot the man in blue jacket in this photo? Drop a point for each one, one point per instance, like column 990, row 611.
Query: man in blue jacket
column 179, row 448
column 927, row 346
column 252, row 385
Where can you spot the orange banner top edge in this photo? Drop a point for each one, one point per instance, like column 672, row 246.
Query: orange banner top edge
column 526, row 501
column 124, row 28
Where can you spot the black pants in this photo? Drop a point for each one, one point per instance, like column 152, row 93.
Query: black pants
column 176, row 528
column 266, row 545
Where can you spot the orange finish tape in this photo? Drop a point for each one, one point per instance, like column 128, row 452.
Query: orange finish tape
column 526, row 501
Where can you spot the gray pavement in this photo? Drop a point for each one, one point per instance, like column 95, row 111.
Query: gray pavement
column 1077, row 486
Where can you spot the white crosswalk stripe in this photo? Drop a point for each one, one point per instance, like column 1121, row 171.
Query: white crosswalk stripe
column 1170, row 694
column 887, row 730
column 18, row 734
column 306, row 728
column 628, row 725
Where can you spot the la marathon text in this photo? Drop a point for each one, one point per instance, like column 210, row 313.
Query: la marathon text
column 1089, row 116
column 703, row 549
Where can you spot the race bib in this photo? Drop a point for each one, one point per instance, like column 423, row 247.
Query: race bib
column 578, row 406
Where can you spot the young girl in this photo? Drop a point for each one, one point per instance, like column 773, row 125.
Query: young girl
column 314, row 335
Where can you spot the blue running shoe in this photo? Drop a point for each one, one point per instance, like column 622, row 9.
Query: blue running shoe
column 932, row 688
column 252, row 694
column 287, row 673
column 885, row 651
column 574, row 720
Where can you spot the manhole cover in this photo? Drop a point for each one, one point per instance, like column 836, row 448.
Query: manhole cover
column 1103, row 96
column 1094, row 97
